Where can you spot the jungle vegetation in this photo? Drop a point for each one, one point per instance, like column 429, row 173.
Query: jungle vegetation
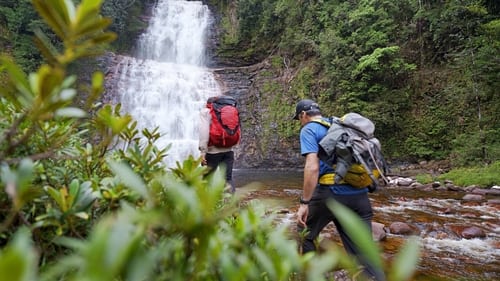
column 427, row 72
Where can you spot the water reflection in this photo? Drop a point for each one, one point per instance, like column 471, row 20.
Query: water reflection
column 436, row 216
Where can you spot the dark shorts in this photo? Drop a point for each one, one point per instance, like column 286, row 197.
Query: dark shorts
column 223, row 159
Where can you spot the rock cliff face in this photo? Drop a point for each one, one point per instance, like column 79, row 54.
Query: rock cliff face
column 261, row 146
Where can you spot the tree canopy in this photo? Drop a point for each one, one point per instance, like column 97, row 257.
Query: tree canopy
column 426, row 72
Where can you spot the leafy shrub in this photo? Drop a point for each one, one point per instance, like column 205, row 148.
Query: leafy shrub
column 476, row 148
column 486, row 175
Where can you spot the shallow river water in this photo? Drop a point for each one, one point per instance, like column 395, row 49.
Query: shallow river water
column 436, row 217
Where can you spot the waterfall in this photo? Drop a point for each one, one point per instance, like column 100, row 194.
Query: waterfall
column 166, row 84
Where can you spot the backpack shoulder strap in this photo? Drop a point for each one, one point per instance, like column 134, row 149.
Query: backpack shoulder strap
column 323, row 122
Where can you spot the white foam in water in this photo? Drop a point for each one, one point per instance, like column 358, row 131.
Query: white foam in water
column 479, row 249
column 168, row 85
column 429, row 205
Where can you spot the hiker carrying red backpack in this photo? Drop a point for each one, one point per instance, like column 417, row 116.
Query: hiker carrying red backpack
column 220, row 131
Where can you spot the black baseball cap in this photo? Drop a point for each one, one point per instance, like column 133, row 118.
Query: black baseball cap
column 305, row 105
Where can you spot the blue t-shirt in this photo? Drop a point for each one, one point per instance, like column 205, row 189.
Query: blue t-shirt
column 310, row 136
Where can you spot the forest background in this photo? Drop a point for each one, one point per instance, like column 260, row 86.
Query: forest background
column 425, row 71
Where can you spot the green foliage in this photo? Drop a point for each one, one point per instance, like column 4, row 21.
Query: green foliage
column 475, row 148
column 17, row 183
column 68, row 205
column 424, row 178
column 184, row 232
column 485, row 175
column 377, row 61
column 277, row 114
column 432, row 142
column 40, row 135
column 20, row 21
column 407, row 65
column 84, row 37
column 452, row 24
column 15, row 265
column 127, row 21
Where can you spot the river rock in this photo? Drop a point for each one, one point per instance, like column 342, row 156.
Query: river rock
column 448, row 211
column 480, row 191
column 452, row 187
column 400, row 228
column 404, row 181
column 436, row 184
column 473, row 232
column 470, row 188
column 469, row 215
column 327, row 240
column 473, row 197
column 428, row 187
column 441, row 188
column 493, row 202
column 416, row 185
column 492, row 191
column 378, row 231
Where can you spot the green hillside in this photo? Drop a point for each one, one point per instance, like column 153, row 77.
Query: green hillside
column 427, row 72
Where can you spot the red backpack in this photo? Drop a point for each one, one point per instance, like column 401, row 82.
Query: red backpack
column 225, row 126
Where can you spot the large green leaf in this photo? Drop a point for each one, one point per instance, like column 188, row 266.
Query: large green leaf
column 358, row 231
column 88, row 9
column 56, row 14
column 406, row 261
column 20, row 81
column 47, row 49
column 82, row 195
column 59, row 196
column 18, row 260
column 129, row 178
column 91, row 27
column 46, row 82
column 18, row 182
column 111, row 247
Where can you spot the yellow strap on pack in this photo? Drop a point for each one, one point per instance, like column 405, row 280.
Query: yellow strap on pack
column 327, row 179
column 356, row 176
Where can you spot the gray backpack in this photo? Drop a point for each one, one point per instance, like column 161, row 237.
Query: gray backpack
column 351, row 148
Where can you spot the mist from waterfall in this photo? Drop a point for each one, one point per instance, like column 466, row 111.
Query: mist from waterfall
column 167, row 84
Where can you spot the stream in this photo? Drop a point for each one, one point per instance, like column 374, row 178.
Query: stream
column 434, row 216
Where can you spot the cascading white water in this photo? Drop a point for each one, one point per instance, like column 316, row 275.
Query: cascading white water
column 167, row 84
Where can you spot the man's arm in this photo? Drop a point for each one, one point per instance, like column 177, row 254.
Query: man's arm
column 311, row 172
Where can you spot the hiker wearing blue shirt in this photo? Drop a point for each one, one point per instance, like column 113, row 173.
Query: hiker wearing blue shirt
column 318, row 188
